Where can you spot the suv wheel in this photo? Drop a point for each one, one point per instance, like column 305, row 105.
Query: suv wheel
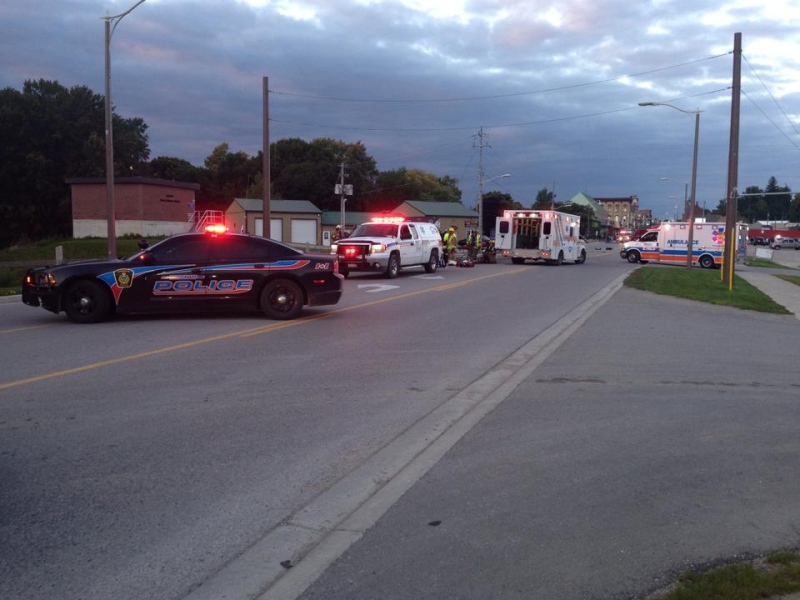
column 433, row 263
column 393, row 268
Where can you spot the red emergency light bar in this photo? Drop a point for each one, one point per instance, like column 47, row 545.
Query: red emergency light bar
column 387, row 219
column 217, row 228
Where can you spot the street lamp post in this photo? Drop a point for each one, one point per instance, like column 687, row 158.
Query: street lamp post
column 696, row 113
column 482, row 181
column 111, row 216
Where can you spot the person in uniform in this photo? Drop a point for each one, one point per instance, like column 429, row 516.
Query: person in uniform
column 451, row 244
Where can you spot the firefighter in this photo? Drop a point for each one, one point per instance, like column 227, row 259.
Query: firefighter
column 451, row 243
column 473, row 245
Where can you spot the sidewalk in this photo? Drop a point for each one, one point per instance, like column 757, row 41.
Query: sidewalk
column 784, row 293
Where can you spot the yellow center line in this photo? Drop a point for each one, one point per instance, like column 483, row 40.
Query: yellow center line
column 27, row 328
column 244, row 333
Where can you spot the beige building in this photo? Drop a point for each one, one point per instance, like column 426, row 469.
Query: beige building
column 623, row 213
column 291, row 221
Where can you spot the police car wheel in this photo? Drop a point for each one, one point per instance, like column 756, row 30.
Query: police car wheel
column 281, row 299
column 87, row 301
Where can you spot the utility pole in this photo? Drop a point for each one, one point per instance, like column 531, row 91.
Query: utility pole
column 266, row 179
column 732, row 207
column 343, row 191
column 481, row 175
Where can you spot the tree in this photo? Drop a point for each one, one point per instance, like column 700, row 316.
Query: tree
column 794, row 209
column 310, row 171
column 777, row 202
column 544, row 199
column 173, row 169
column 51, row 133
column 494, row 203
column 400, row 185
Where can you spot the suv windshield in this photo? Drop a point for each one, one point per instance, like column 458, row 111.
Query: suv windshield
column 375, row 230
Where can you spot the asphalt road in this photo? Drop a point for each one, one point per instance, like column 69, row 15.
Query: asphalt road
column 164, row 457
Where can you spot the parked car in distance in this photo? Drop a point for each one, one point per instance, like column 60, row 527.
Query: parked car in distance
column 785, row 242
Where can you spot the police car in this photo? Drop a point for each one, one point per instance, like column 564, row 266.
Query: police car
column 192, row 272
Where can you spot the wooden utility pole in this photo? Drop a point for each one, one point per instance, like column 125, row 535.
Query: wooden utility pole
column 266, row 180
column 732, row 208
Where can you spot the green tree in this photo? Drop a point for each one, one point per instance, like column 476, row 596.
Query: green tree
column 400, row 185
column 51, row 133
column 173, row 169
column 778, row 200
column 311, row 170
column 544, row 199
column 794, row 209
column 494, row 203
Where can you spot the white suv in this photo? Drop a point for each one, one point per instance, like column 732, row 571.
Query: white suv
column 389, row 245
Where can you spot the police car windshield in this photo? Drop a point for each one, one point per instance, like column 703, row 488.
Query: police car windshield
column 375, row 230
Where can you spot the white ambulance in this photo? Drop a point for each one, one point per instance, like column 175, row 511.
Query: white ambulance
column 668, row 243
column 547, row 235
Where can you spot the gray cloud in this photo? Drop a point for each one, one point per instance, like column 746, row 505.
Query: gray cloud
column 544, row 80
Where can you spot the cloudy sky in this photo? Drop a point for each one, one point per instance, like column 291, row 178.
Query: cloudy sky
column 554, row 86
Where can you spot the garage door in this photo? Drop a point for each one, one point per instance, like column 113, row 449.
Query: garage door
column 275, row 230
column 304, row 231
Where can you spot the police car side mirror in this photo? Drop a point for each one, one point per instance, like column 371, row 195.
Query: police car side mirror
column 146, row 258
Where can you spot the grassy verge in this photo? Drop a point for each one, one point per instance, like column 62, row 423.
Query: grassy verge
column 795, row 279
column 44, row 252
column 776, row 574
column 703, row 286
column 752, row 261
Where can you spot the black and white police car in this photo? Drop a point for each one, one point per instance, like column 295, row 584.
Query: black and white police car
column 191, row 272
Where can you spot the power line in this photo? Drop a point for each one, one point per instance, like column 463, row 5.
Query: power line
column 766, row 116
column 498, row 96
column 496, row 126
column 780, row 108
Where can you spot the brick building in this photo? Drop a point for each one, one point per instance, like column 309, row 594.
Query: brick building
column 142, row 206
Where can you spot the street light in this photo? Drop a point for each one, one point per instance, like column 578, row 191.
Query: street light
column 111, row 216
column 480, row 198
column 696, row 113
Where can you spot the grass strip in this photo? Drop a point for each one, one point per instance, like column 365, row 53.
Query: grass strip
column 702, row 285
column 776, row 575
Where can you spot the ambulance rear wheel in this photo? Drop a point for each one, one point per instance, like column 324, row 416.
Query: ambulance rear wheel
column 707, row 262
column 282, row 299
column 633, row 256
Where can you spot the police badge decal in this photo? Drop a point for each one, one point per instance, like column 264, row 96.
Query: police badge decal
column 123, row 277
